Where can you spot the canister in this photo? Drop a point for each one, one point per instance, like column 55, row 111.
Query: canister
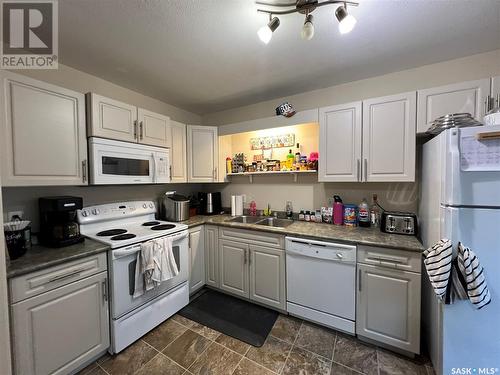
column 350, row 215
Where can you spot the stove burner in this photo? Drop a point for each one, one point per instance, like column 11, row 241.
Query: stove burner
column 123, row 237
column 163, row 227
column 150, row 223
column 111, row 232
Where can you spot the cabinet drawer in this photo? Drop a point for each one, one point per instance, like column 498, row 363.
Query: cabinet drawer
column 390, row 258
column 42, row 281
column 253, row 237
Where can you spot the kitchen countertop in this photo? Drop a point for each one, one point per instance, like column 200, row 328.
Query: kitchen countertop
column 40, row 257
column 321, row 231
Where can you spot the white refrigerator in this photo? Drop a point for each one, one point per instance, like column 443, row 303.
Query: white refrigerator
column 460, row 200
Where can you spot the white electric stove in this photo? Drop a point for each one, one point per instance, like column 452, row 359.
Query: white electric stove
column 124, row 226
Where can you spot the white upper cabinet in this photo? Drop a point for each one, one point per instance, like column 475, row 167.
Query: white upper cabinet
column 389, row 138
column 42, row 134
column 109, row 118
column 464, row 97
column 154, row 129
column 340, row 143
column 178, row 159
column 202, row 153
column 112, row 119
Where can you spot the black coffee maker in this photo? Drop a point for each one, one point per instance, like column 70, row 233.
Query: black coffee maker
column 58, row 226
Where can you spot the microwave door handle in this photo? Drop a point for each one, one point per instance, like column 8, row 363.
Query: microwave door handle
column 155, row 172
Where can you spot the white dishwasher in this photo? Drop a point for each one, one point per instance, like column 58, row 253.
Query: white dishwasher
column 321, row 282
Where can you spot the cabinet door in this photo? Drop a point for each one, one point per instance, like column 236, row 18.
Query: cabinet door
column 340, row 143
column 197, row 258
column 388, row 307
column 389, row 139
column 267, row 276
column 178, row 154
column 212, row 255
column 233, row 267
column 154, row 129
column 202, row 153
column 464, row 97
column 58, row 331
column 43, row 138
column 111, row 119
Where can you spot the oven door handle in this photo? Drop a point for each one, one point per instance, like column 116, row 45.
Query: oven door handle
column 126, row 251
column 180, row 236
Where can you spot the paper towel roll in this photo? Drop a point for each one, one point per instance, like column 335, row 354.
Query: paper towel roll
column 233, row 205
column 239, row 205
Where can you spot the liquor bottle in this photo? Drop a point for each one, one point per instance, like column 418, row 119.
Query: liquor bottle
column 375, row 212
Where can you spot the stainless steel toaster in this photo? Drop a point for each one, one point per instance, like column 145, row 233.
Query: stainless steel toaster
column 399, row 222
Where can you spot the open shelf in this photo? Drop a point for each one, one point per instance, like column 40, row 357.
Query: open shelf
column 250, row 175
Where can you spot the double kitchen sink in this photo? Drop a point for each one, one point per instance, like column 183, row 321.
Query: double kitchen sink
column 261, row 220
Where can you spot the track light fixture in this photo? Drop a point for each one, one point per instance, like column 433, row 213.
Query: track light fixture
column 265, row 33
column 346, row 21
column 308, row 28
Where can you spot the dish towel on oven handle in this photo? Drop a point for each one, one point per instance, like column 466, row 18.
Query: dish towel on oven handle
column 437, row 262
column 155, row 263
column 473, row 276
column 165, row 264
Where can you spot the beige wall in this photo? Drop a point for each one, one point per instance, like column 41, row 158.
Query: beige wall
column 80, row 81
column 468, row 68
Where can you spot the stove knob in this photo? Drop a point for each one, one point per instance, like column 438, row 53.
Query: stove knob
column 95, row 211
column 85, row 213
column 151, row 205
column 144, row 205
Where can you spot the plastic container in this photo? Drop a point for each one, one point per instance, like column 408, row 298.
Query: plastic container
column 364, row 214
column 350, row 215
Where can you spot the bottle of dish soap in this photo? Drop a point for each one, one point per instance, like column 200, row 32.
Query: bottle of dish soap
column 364, row 214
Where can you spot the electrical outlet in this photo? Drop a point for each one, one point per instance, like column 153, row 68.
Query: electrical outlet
column 12, row 214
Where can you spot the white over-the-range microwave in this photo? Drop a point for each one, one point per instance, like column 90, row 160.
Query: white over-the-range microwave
column 117, row 162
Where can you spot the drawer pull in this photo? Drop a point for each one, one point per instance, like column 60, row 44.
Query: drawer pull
column 62, row 277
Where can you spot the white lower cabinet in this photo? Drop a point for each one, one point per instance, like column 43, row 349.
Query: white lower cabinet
column 212, row 255
column 233, row 257
column 59, row 331
column 388, row 303
column 252, row 271
column 267, row 276
column 196, row 258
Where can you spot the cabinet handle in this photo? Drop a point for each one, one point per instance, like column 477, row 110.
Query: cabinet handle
column 244, row 257
column 215, row 173
column 84, row 171
column 359, row 280
column 140, row 131
column 62, row 277
column 358, row 164
column 366, row 170
column 249, row 257
column 170, row 172
column 135, row 129
column 105, row 290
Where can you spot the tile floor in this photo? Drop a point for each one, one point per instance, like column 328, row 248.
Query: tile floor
column 181, row 346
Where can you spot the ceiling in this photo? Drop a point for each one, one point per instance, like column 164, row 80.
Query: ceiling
column 204, row 55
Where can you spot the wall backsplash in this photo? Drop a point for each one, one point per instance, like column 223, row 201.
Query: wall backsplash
column 308, row 194
column 26, row 198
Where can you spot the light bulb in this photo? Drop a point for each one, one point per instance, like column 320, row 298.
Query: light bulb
column 308, row 29
column 347, row 24
column 265, row 34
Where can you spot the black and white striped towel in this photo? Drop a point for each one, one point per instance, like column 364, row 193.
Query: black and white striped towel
column 473, row 273
column 438, row 266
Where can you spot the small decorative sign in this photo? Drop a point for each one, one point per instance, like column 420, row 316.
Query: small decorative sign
column 275, row 141
column 285, row 109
